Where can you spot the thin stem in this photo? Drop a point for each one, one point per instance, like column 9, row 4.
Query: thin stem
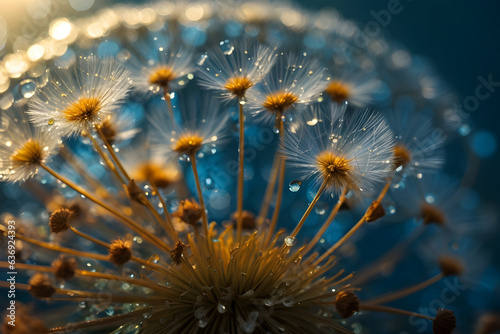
column 241, row 175
column 309, row 209
column 271, row 184
column 327, row 223
column 126, row 220
column 113, row 154
column 406, row 291
column 168, row 100
column 106, row 159
column 281, row 185
column 279, row 197
column 385, row 309
column 358, row 224
column 200, row 194
column 88, row 237
column 168, row 219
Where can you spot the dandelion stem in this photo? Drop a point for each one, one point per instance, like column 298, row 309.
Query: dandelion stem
column 168, row 100
column 168, row 219
column 406, row 291
column 88, row 237
column 106, row 159
column 309, row 209
column 386, row 309
column 77, row 165
column 327, row 223
column 112, row 153
column 200, row 194
column 241, row 175
column 279, row 190
column 358, row 224
column 269, row 190
column 108, row 321
column 126, row 220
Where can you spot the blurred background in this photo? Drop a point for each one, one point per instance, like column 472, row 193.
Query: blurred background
column 459, row 37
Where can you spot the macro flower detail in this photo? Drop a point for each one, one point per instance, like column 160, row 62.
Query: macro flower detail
column 78, row 98
column 349, row 149
column 294, row 81
column 139, row 204
column 24, row 147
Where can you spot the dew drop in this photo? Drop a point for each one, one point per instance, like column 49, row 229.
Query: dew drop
column 320, row 208
column 290, row 241
column 202, row 323
column 289, row 301
column 294, row 186
column 221, row 309
column 28, row 88
column 268, row 302
column 312, row 122
column 51, row 121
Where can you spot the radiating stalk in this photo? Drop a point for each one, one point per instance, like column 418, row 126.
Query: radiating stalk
column 241, row 175
column 126, row 220
column 406, row 291
column 200, row 194
column 327, row 223
column 309, row 209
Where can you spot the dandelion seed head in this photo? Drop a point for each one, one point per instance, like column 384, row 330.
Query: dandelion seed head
column 337, row 171
column 41, row 286
column 188, row 144
column 346, row 303
column 189, row 212
column 278, row 102
column 432, row 214
column 338, row 91
column 59, row 220
column 31, row 152
column 444, row 322
column 162, row 76
column 450, row 266
column 120, row 252
column 238, row 86
column 402, row 156
column 64, row 268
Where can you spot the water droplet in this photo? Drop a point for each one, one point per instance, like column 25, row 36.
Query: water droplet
column 294, row 186
column 51, row 121
column 202, row 323
column 268, row 302
column 312, row 122
column 290, row 241
column 28, row 88
column 221, row 309
column 320, row 208
column 289, row 301
column 226, row 47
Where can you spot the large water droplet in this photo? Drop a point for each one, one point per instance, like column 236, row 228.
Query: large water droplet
column 221, row 309
column 294, row 186
column 290, row 241
column 202, row 323
column 289, row 301
column 28, row 88
column 321, row 208
column 226, row 47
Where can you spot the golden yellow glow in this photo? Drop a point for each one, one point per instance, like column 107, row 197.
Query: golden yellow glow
column 336, row 170
column 31, row 152
column 338, row 91
column 188, row 144
column 279, row 101
column 84, row 109
column 238, row 86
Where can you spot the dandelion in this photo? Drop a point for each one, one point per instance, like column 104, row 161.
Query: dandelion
column 77, row 99
column 294, row 81
column 23, row 147
column 356, row 89
column 350, row 150
column 203, row 124
column 162, row 70
column 233, row 69
column 419, row 145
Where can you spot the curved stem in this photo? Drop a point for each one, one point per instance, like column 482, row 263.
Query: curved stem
column 106, row 159
column 406, row 291
column 200, row 194
column 126, row 220
column 358, row 224
column 327, row 223
column 112, row 153
column 385, row 309
column 241, row 175
column 271, row 184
